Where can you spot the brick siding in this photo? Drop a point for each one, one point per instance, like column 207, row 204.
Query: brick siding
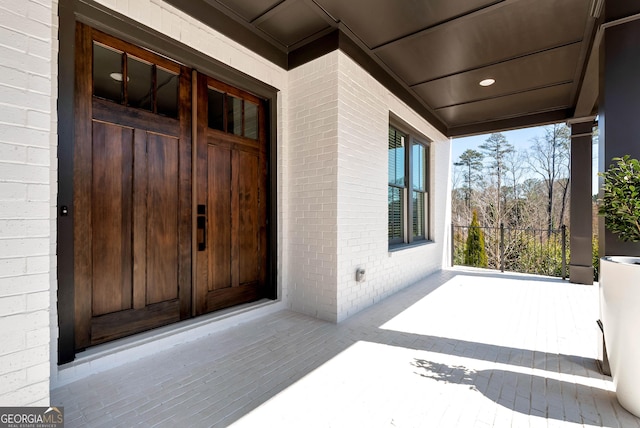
column 28, row 82
column 338, row 120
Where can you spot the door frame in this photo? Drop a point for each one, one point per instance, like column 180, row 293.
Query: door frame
column 104, row 19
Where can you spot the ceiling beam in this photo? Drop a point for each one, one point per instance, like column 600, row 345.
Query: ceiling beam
column 582, row 68
column 518, row 122
column 587, row 101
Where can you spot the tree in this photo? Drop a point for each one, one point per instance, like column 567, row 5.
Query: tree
column 471, row 161
column 512, row 190
column 515, row 173
column 549, row 158
column 475, row 254
column 496, row 148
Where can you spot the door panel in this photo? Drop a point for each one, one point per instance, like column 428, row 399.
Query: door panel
column 137, row 207
column 231, row 177
column 162, row 218
column 124, row 323
column 248, row 166
column 136, row 238
column 219, row 207
column 112, row 208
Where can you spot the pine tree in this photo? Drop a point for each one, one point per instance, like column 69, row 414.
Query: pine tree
column 471, row 160
column 496, row 148
column 475, row 254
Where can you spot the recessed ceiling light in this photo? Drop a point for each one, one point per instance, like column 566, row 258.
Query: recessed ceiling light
column 117, row 77
column 487, row 82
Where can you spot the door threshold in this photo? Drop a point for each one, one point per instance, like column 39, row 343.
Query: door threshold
column 106, row 356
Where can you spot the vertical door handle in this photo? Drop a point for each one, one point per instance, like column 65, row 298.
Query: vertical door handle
column 202, row 228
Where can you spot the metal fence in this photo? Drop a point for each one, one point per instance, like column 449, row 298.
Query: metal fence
column 526, row 250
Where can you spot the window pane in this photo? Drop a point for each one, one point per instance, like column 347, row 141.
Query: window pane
column 250, row 120
column 107, row 73
column 216, row 110
column 418, row 215
column 140, row 84
column 234, row 115
column 396, row 157
column 167, row 92
column 396, row 225
column 419, row 172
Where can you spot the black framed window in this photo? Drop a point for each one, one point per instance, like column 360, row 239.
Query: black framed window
column 408, row 195
column 397, row 185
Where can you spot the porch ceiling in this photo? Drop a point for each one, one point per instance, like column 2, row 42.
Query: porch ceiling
column 435, row 52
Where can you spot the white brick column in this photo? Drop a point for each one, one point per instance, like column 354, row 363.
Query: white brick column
column 28, row 48
column 364, row 110
column 313, row 182
column 338, row 124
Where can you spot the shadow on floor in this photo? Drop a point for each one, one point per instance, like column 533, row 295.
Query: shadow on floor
column 524, row 393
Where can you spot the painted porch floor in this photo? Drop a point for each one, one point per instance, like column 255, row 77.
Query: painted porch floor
column 458, row 349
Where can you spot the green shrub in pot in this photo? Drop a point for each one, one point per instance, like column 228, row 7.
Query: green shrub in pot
column 620, row 204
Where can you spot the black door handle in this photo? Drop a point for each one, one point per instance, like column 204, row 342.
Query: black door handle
column 202, row 228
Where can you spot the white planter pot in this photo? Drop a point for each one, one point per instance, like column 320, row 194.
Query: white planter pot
column 620, row 313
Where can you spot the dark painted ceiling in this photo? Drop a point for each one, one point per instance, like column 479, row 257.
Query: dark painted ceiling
column 434, row 53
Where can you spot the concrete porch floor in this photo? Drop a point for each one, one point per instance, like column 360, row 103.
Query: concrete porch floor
column 461, row 348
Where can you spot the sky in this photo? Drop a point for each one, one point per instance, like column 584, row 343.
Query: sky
column 520, row 139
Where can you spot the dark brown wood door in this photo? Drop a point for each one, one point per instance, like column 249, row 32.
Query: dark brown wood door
column 231, row 197
column 132, row 190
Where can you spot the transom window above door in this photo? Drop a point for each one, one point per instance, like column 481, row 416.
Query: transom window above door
column 233, row 112
column 148, row 86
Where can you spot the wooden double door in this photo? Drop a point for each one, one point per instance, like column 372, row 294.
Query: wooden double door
column 169, row 218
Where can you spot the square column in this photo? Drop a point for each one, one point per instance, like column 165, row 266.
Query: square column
column 580, row 244
column 619, row 105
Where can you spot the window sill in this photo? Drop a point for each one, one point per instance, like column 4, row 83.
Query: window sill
column 397, row 248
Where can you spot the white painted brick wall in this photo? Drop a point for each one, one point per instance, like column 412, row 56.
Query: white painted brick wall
column 338, row 202
column 312, row 187
column 364, row 108
column 28, row 87
column 362, row 186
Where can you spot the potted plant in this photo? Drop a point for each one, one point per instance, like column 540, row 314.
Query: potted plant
column 620, row 280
